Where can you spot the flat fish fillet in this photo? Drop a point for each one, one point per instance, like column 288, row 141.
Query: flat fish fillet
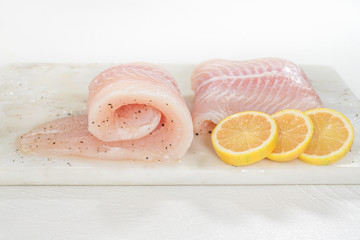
column 267, row 85
column 135, row 112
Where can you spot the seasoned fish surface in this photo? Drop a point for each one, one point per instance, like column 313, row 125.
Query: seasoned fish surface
column 135, row 112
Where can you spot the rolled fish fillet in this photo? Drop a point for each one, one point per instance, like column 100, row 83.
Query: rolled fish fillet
column 224, row 87
column 135, row 112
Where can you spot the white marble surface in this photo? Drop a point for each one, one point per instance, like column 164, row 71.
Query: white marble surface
column 307, row 32
column 53, row 91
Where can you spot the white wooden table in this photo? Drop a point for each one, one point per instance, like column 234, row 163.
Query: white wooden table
column 182, row 212
column 307, row 32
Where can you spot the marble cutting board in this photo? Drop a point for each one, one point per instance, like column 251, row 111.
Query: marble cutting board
column 31, row 94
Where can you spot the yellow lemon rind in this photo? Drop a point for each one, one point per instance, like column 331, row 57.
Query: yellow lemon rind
column 250, row 156
column 334, row 156
column 295, row 153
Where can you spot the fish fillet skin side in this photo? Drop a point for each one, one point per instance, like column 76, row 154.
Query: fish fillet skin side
column 135, row 112
column 224, row 87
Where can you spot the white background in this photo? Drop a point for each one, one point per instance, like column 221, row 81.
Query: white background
column 306, row 32
column 187, row 31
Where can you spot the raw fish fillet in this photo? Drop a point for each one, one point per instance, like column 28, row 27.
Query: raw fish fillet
column 267, row 85
column 135, row 112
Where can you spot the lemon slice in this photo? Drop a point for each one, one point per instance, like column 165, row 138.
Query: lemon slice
column 295, row 129
column 332, row 138
column 245, row 138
